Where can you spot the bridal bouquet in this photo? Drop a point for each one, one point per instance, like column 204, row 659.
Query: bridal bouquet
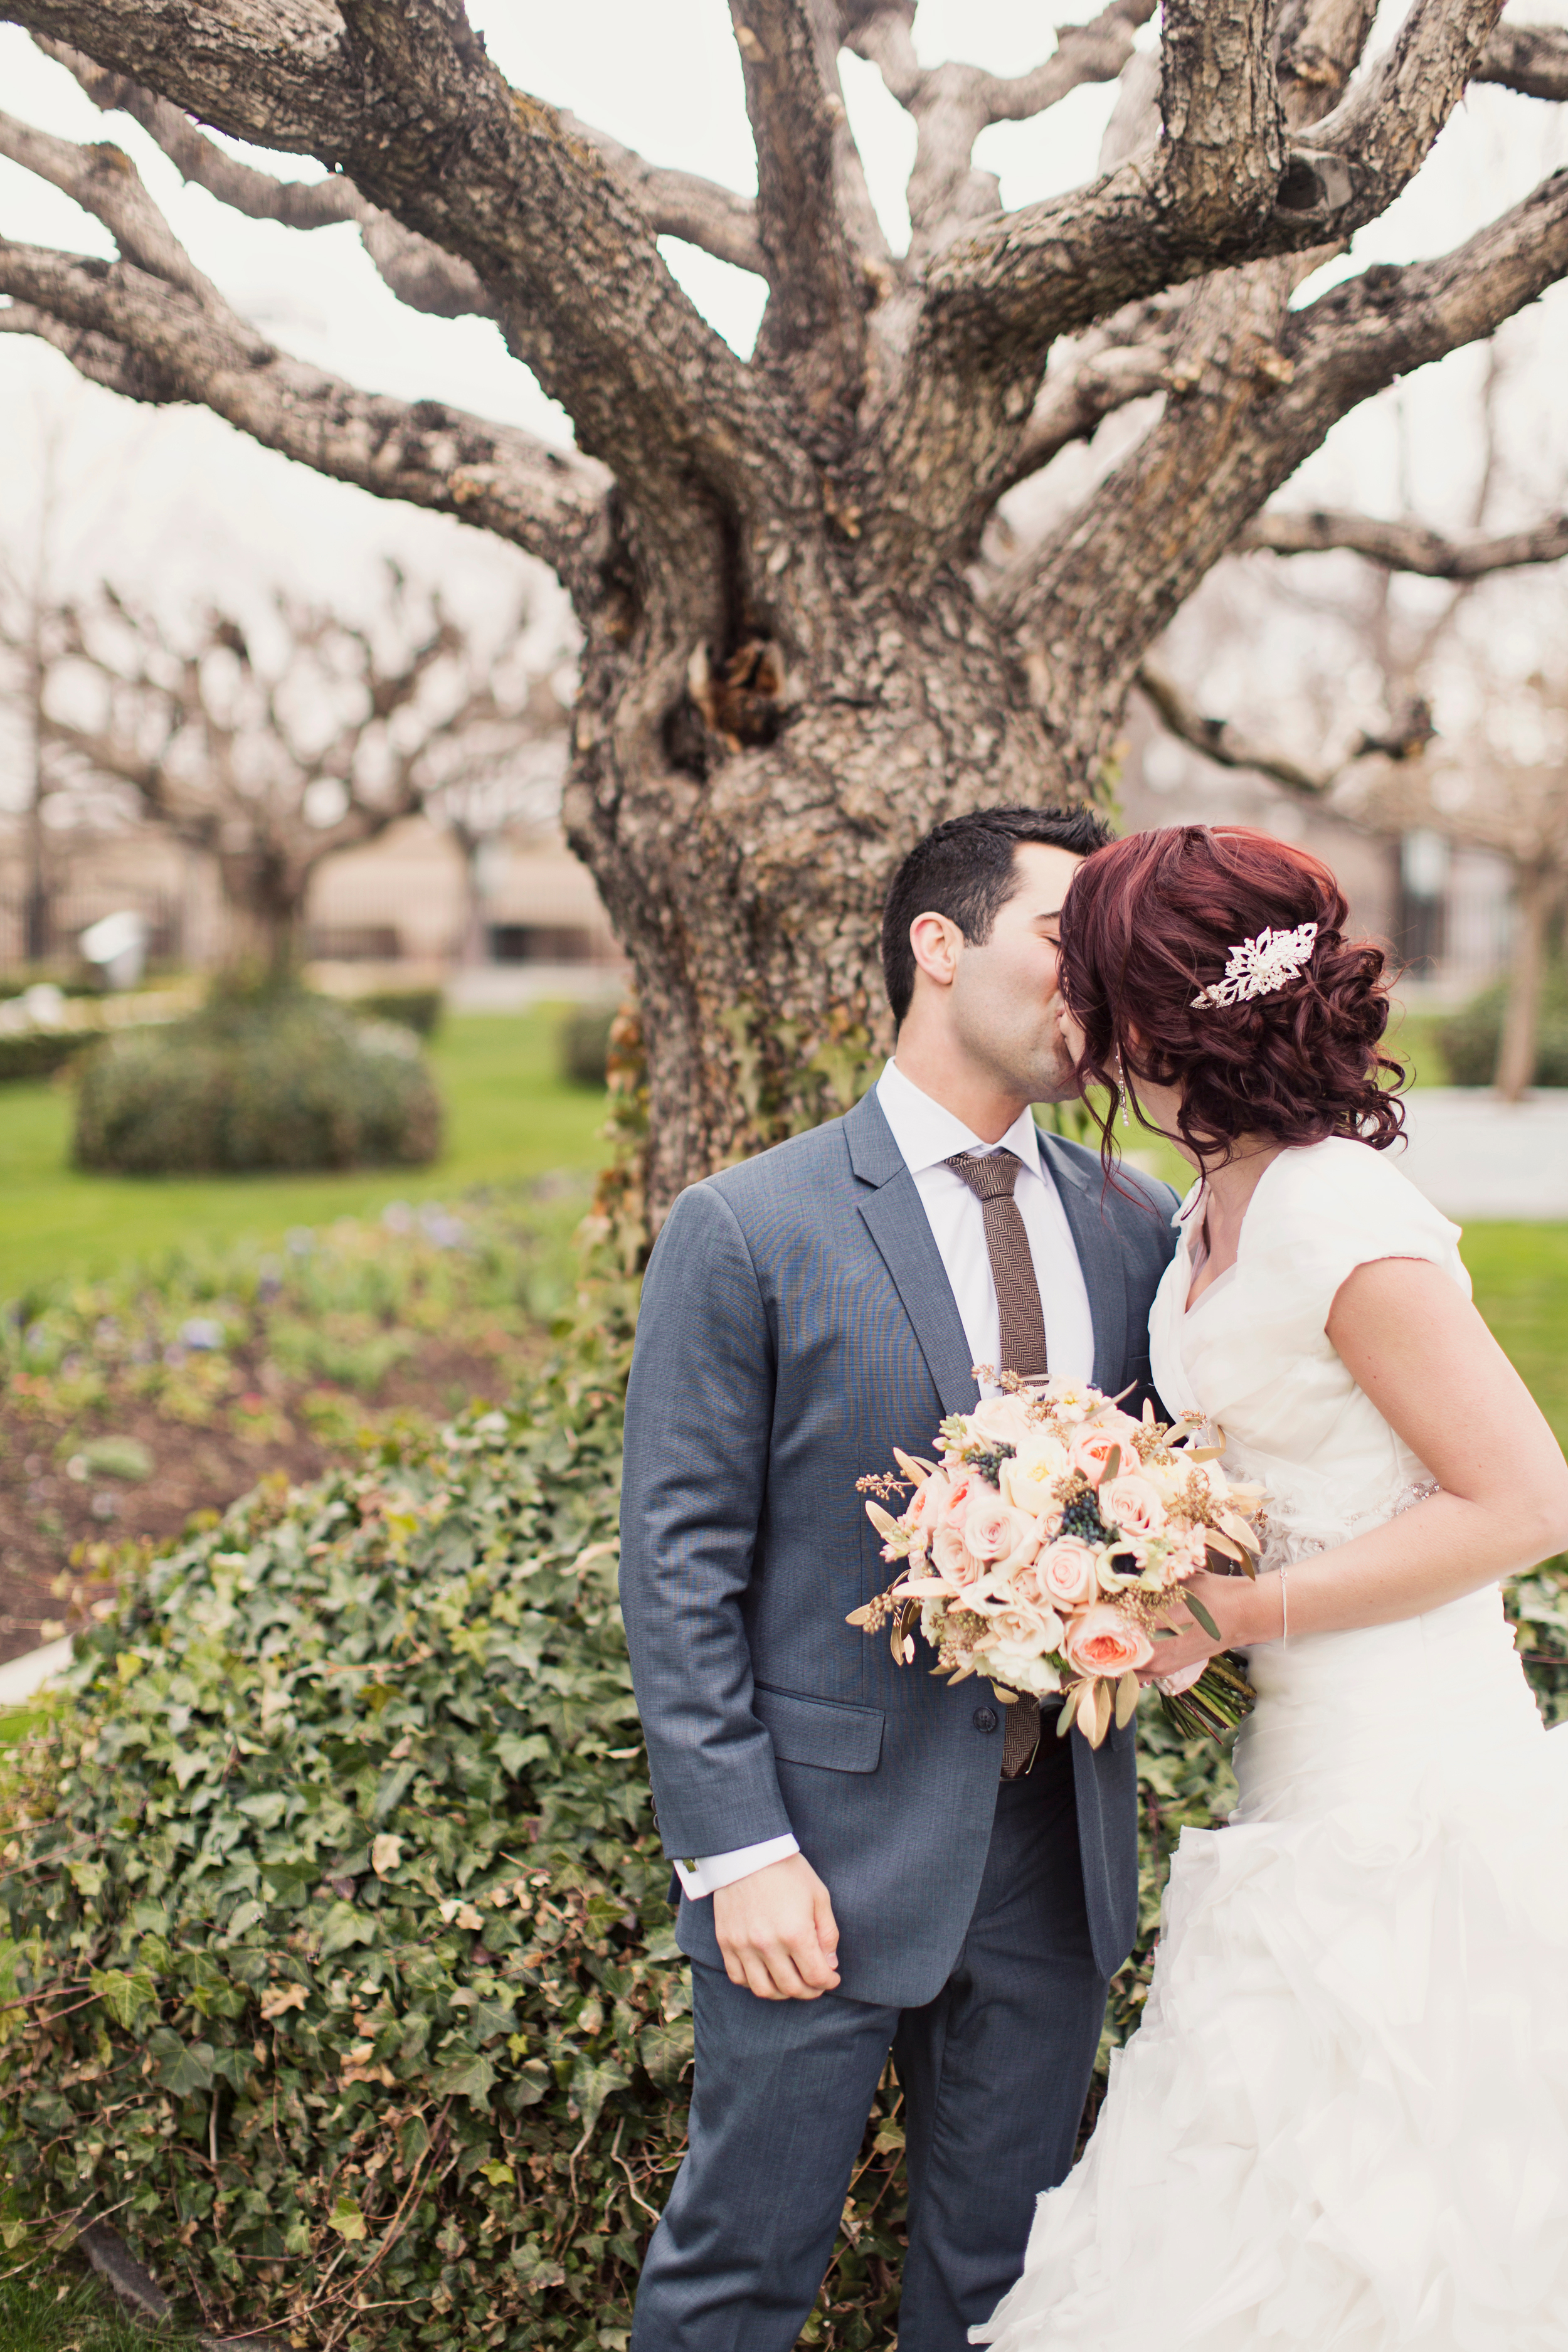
column 1044, row 1547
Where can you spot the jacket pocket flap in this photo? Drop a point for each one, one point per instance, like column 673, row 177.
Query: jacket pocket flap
column 819, row 1731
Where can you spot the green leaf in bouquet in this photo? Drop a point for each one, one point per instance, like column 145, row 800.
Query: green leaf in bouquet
column 1202, row 1614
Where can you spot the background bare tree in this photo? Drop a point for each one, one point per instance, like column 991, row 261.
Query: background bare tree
column 502, row 772
column 1503, row 786
column 792, row 663
column 271, row 749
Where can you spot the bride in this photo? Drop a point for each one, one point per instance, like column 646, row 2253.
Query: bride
column 1344, row 2124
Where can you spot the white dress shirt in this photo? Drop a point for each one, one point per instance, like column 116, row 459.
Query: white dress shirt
column 927, row 1137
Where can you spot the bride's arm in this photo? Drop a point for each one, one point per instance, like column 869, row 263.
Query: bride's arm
column 1418, row 1348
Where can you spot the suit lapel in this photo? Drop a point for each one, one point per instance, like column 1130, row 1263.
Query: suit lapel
column 896, row 1220
column 1100, row 1255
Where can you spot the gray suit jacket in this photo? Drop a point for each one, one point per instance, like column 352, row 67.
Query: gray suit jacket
column 796, row 1324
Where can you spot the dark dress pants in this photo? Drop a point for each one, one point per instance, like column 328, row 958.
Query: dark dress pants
column 994, row 2070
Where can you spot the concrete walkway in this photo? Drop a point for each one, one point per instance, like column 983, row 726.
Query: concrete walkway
column 22, row 1676
column 1476, row 1157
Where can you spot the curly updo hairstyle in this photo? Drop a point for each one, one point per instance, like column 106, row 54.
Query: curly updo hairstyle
column 1151, row 919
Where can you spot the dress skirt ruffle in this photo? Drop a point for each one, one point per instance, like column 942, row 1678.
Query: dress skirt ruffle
column 1342, row 2126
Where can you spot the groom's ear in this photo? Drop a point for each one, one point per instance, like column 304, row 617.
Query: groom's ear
column 936, row 943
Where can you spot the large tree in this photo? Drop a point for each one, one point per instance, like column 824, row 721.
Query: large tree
column 794, row 660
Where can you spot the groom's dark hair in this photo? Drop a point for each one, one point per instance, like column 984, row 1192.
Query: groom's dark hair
column 965, row 870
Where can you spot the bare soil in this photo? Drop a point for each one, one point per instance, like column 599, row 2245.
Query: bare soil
column 46, row 1514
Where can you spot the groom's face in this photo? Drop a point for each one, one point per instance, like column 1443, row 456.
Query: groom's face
column 1007, row 992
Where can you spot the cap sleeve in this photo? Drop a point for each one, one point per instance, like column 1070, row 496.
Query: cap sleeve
column 1325, row 1210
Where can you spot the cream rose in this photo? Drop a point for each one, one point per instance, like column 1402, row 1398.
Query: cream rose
column 1028, row 1633
column 1132, row 1504
column 1005, row 1420
column 1067, row 1572
column 1003, row 1539
column 1028, row 1478
column 950, row 1556
column 1103, row 1641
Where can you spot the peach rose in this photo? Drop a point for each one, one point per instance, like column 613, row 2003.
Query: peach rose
column 1132, row 1504
column 1066, row 1572
column 1093, row 1446
column 1005, row 1420
column 926, row 1506
column 950, row 1556
column 961, row 1493
column 1103, row 1641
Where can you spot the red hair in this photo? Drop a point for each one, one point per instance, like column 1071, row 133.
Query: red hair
column 1150, row 920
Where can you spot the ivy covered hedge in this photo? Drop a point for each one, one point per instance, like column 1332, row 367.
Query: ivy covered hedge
column 341, row 1972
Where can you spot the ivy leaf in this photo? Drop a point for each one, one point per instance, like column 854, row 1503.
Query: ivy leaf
column 129, row 1996
column 346, row 2218
column 466, row 2075
column 593, row 2080
column 184, row 2068
column 344, row 1925
column 665, row 2050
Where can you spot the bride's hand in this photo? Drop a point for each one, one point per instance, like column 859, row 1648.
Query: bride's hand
column 1243, row 1613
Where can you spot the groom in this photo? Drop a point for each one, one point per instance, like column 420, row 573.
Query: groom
column 872, row 1859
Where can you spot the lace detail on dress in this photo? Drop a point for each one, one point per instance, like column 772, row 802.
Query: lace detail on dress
column 1292, row 1537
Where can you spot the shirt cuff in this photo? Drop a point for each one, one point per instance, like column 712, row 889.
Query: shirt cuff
column 705, row 1873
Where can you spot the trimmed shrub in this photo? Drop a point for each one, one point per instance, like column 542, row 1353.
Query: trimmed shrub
column 39, row 1052
column 585, row 1045
column 273, row 1081
column 1470, row 1041
column 419, row 1009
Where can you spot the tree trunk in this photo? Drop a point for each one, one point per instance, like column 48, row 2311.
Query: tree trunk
column 1537, row 894
column 742, row 815
column 263, row 929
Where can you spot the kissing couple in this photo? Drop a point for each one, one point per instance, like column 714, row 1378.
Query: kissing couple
column 1342, row 2126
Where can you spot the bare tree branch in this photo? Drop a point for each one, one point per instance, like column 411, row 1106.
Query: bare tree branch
column 1224, row 186
column 1531, row 58
column 1405, row 545
column 682, row 203
column 419, row 273
column 1228, row 747
column 406, row 101
column 157, row 342
column 952, row 103
column 815, row 220
column 1162, row 519
column 105, row 182
column 1098, row 378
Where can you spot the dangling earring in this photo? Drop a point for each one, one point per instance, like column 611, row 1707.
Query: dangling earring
column 1121, row 1089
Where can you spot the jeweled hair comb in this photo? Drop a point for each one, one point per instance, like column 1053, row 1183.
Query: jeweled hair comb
column 1257, row 966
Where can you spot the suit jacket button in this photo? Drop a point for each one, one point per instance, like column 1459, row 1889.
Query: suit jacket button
column 984, row 1719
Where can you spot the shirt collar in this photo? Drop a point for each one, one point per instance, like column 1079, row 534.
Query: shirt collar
column 926, row 1134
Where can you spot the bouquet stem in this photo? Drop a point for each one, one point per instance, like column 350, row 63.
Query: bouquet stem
column 1220, row 1700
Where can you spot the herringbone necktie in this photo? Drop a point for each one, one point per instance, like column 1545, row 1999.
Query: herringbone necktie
column 991, row 1176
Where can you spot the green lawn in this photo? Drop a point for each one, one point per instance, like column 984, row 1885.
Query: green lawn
column 57, row 2310
column 1520, row 1274
column 509, row 1115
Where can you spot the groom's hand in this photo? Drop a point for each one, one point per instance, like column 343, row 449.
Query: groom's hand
column 777, row 1932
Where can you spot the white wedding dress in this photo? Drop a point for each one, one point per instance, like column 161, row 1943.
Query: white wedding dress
column 1342, row 2126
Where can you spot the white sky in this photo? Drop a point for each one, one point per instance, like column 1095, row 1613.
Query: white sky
column 174, row 501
